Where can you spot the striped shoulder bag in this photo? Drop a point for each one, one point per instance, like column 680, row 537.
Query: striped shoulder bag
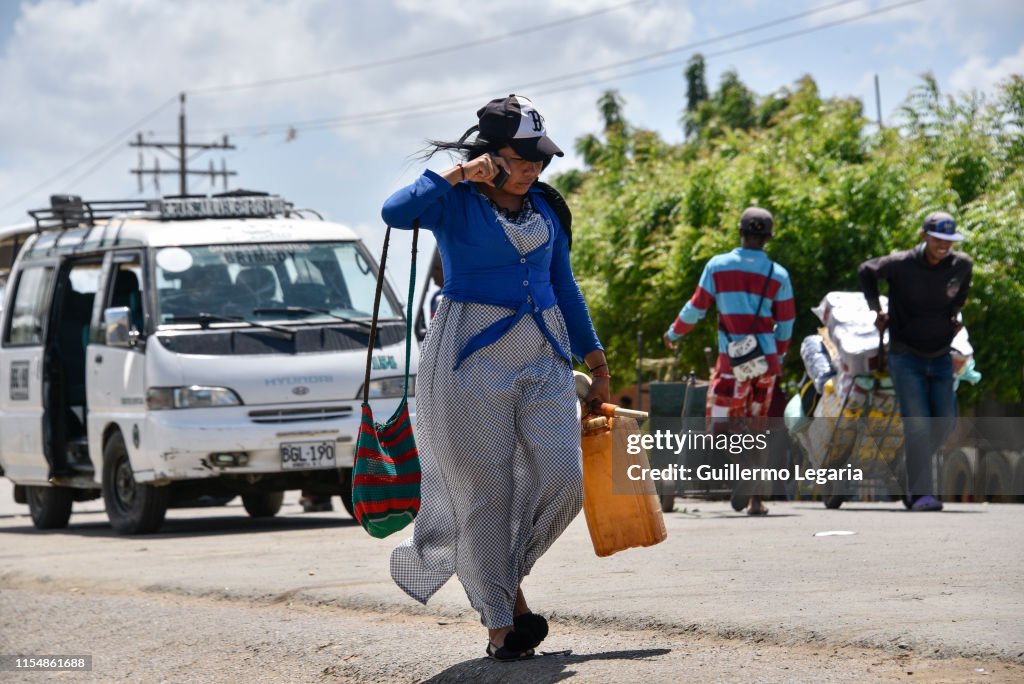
column 386, row 474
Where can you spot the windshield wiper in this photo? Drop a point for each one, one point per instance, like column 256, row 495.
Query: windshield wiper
column 303, row 309
column 204, row 319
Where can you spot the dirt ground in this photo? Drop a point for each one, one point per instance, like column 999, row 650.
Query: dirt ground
column 155, row 637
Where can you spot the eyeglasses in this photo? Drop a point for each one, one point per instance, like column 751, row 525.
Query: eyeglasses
column 945, row 226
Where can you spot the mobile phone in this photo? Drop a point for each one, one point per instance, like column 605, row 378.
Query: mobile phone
column 499, row 178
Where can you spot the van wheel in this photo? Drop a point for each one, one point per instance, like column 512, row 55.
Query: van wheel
column 346, row 494
column 263, row 505
column 132, row 507
column 50, row 506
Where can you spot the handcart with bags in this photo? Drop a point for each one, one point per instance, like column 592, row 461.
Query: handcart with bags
column 856, row 427
column 846, row 419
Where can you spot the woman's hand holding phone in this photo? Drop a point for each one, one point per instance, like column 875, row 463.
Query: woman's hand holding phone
column 486, row 168
column 496, row 170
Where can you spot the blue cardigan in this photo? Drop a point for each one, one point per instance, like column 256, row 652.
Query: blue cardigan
column 482, row 265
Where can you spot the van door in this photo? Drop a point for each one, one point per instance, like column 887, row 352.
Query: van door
column 21, row 375
column 64, row 367
column 115, row 377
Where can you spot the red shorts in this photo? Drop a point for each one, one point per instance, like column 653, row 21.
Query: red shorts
column 748, row 399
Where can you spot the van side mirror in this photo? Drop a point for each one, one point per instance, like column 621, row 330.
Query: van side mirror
column 117, row 322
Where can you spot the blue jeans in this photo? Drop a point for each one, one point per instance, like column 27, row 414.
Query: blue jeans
column 924, row 389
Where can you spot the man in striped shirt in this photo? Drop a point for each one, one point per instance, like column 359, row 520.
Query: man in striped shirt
column 734, row 282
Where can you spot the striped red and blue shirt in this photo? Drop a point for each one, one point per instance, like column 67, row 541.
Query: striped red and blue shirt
column 733, row 282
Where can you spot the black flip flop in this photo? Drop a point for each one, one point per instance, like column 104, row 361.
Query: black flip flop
column 517, row 646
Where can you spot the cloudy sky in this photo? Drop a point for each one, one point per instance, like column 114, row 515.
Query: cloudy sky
column 328, row 101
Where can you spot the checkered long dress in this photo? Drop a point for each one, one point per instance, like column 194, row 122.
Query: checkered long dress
column 499, row 450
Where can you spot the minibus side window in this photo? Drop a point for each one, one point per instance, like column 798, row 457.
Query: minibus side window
column 126, row 290
column 30, row 306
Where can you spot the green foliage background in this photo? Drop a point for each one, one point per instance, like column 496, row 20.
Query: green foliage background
column 648, row 214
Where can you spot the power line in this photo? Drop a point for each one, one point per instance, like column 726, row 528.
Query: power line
column 397, row 114
column 270, row 82
column 316, row 123
column 455, row 104
column 88, row 172
column 415, row 56
column 116, row 140
column 740, row 48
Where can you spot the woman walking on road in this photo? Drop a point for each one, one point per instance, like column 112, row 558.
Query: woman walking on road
column 497, row 414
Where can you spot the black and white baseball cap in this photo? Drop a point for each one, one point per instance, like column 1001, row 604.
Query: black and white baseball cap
column 941, row 225
column 515, row 121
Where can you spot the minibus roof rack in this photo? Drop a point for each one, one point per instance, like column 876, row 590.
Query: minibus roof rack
column 70, row 211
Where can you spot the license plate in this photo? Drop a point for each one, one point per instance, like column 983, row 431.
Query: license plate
column 303, row 455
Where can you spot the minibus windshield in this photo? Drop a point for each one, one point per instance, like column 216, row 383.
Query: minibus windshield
column 298, row 282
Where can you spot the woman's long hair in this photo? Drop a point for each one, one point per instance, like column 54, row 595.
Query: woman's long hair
column 467, row 149
column 463, row 147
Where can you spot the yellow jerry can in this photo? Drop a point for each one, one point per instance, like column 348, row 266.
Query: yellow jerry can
column 621, row 513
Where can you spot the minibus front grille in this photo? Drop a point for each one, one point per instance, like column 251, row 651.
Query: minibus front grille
column 298, row 415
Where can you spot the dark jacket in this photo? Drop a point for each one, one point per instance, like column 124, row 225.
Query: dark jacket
column 923, row 299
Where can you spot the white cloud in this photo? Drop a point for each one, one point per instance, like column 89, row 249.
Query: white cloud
column 982, row 74
column 74, row 74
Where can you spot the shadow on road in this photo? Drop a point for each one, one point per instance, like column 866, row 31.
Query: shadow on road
column 539, row 670
column 176, row 528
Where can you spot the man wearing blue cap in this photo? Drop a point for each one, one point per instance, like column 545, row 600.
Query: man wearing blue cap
column 927, row 288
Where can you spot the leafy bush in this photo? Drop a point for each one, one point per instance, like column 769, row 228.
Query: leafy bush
column 648, row 215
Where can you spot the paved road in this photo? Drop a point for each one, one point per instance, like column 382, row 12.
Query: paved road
column 216, row 596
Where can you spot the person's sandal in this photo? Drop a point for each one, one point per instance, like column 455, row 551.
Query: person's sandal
column 534, row 627
column 738, row 497
column 516, row 647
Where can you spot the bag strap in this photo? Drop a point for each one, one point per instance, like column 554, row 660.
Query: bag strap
column 376, row 311
column 559, row 206
column 768, row 279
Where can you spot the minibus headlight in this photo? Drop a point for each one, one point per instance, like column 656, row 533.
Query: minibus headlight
column 196, row 396
column 389, row 388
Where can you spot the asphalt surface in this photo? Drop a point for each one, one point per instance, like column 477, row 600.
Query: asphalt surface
column 216, row 596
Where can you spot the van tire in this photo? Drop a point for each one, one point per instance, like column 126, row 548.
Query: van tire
column 132, row 507
column 263, row 505
column 50, row 506
column 346, row 494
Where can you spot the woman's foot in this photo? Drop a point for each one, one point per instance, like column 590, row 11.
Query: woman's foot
column 507, row 644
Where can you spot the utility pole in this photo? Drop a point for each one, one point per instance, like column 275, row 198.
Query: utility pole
column 183, row 146
column 878, row 102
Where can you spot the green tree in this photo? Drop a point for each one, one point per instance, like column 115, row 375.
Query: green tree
column 696, row 93
column 649, row 215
